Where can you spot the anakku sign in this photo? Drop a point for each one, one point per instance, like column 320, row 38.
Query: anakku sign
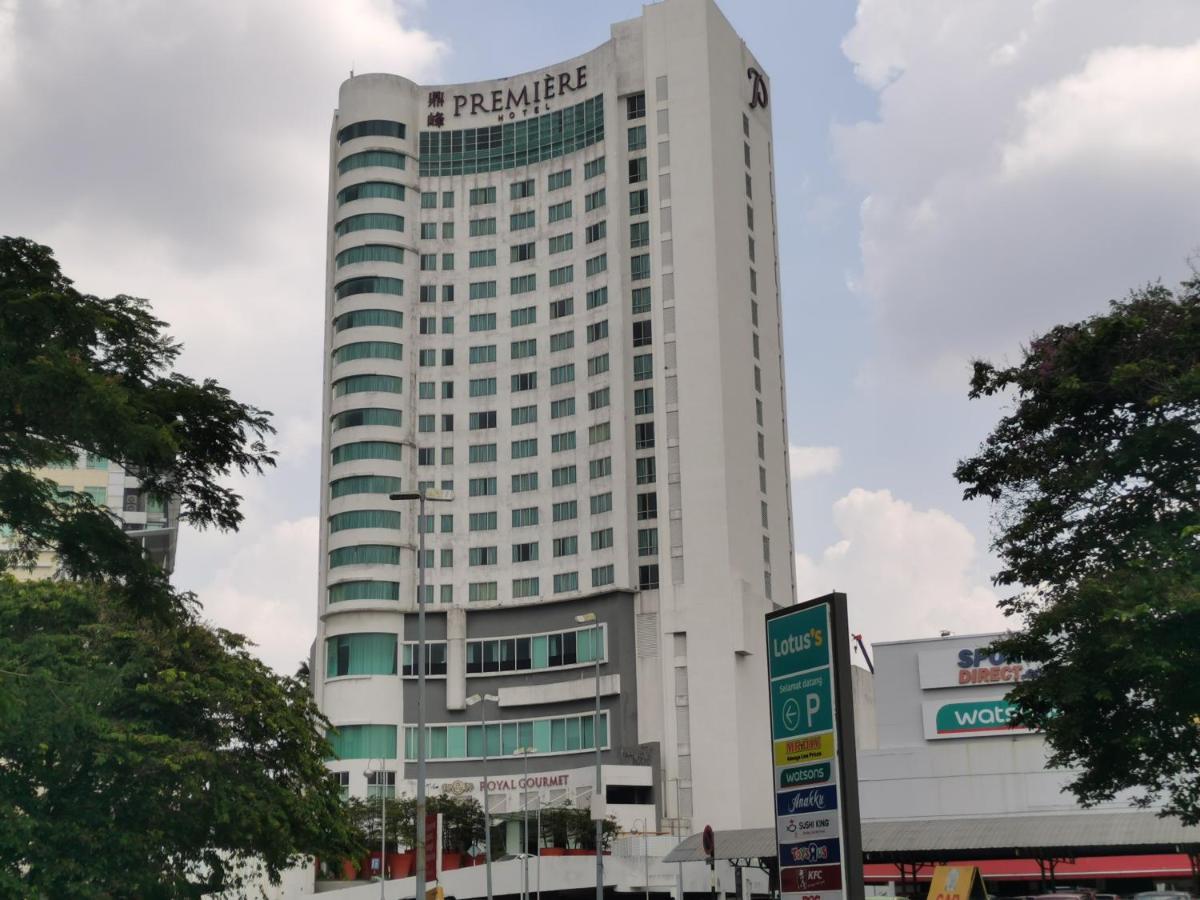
column 958, row 666
column 806, row 801
column 979, row 718
column 532, row 97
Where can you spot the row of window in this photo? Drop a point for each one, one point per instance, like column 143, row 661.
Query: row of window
column 560, row 734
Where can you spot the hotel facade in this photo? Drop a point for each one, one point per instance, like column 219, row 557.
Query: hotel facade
column 556, row 295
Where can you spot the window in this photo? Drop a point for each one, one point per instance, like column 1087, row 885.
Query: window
column 365, row 555
column 447, row 324
column 522, row 220
column 762, row 449
column 639, row 267
column 564, row 440
column 479, row 259
column 648, row 577
column 599, row 433
column 481, row 556
column 522, row 284
column 647, row 541
column 428, row 232
column 563, row 407
column 643, row 401
column 482, row 290
column 480, row 227
column 429, row 200
column 481, row 196
column 525, row 587
column 643, row 333
column 637, row 170
column 562, row 374
column 637, row 137
column 482, row 322
column 425, row 423
column 482, row 521
column 524, row 481
column 561, row 243
column 635, row 106
column 639, row 234
column 364, row 518
column 596, row 265
column 365, row 450
column 363, row 742
column 758, row 410
column 523, row 448
column 447, row 230
column 751, row 248
column 387, row 158
column 447, row 457
column 368, row 350
column 641, row 300
column 566, row 581
column 758, row 379
column 523, row 381
column 525, row 552
column 597, row 365
column 559, row 211
column 526, row 315
column 479, row 421
column 524, row 415
column 600, row 468
column 427, row 325
column 483, row 354
column 447, row 593
column 593, row 167
column 562, row 275
column 598, row 399
column 566, row 546
column 602, row 575
column 563, row 307
column 597, row 297
column 364, row 590
column 428, row 293
column 482, row 387
column 448, row 356
column 342, row 779
column 601, row 503
column 525, row 517
column 749, row 186
column 520, row 189
column 645, row 468
column 564, row 340
column 523, row 349
column 366, row 383
column 647, row 506
column 522, row 252
column 643, row 367
column 445, row 560
column 363, row 484
column 595, row 200
column 562, row 476
column 448, row 198
column 369, row 253
column 481, row 591
column 597, row 232
column 368, row 285
column 565, row 510
column 352, row 418
column 597, row 331
column 754, row 345
column 557, row 180
column 643, row 436
column 447, row 262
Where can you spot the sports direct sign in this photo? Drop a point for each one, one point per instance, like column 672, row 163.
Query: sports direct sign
column 812, row 749
column 959, row 666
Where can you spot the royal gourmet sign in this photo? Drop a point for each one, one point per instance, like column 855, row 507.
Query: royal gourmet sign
column 812, row 750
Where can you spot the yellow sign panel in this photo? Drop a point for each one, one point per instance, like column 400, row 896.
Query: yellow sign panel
column 435, row 893
column 957, row 883
column 804, row 749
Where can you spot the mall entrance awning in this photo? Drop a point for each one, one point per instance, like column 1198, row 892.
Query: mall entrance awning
column 1057, row 836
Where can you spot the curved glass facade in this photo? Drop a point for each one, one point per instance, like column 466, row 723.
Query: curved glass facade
column 368, row 350
column 367, row 221
column 361, row 318
column 369, row 284
column 388, row 158
column 372, row 128
column 372, row 415
column 367, row 190
column 369, row 253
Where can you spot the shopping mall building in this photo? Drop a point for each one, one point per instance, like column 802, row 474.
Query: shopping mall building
column 556, row 295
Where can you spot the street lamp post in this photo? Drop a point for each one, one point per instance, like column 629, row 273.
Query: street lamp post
column 596, row 795
column 433, row 495
column 524, row 751
column 483, row 700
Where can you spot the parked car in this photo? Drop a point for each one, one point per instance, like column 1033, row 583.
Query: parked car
column 1162, row 895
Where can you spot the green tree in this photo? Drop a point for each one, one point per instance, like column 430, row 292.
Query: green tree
column 144, row 752
column 1095, row 477
column 149, row 757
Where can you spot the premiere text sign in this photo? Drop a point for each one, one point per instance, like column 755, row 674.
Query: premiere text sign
column 812, row 740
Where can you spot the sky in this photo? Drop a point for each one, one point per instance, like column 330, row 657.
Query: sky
column 953, row 177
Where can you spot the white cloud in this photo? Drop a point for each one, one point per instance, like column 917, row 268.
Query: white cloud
column 906, row 572
column 1030, row 161
column 179, row 151
column 807, row 462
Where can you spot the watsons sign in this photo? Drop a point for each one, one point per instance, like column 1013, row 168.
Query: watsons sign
column 959, row 666
column 529, row 98
column 968, row 719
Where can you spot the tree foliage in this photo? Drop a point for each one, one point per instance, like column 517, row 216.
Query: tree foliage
column 149, row 758
column 462, row 821
column 1095, row 477
column 82, row 373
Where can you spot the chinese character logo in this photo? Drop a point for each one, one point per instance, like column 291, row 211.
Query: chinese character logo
column 436, row 119
column 436, row 98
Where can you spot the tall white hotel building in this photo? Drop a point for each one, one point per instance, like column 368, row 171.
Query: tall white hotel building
column 557, row 294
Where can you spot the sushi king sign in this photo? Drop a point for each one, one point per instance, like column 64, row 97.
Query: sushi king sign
column 812, row 752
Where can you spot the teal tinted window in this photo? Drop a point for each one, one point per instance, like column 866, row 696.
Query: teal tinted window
column 365, row 555
column 388, row 158
column 369, row 253
column 371, row 128
column 513, row 144
column 371, row 284
column 368, row 350
column 364, row 484
column 360, row 318
column 352, row 418
column 358, row 383
column 367, row 190
column 365, row 221
column 364, row 518
column 360, row 654
column 363, row 741
column 364, row 590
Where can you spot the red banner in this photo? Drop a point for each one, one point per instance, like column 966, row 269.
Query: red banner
column 431, row 846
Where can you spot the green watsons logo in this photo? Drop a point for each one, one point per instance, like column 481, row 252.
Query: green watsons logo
column 975, row 718
column 801, row 775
